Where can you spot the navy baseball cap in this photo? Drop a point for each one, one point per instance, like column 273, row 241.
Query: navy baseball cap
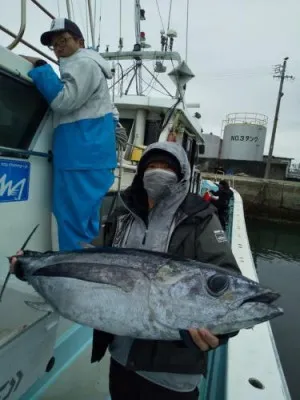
column 60, row 25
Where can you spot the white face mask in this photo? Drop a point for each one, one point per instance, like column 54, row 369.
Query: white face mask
column 159, row 182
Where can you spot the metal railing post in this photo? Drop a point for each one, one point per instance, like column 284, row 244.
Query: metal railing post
column 18, row 38
column 22, row 27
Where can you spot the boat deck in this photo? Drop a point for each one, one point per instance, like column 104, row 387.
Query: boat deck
column 82, row 380
column 15, row 315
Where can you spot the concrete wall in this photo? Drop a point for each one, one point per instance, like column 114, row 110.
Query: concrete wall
column 269, row 199
column 252, row 168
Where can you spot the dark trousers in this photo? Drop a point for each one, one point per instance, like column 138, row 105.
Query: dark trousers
column 223, row 217
column 127, row 385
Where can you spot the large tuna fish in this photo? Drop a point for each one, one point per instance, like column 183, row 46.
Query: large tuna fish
column 145, row 295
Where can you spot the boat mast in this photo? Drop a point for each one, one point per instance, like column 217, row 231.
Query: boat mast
column 138, row 45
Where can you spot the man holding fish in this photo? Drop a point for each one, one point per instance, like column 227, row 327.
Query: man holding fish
column 141, row 291
column 156, row 199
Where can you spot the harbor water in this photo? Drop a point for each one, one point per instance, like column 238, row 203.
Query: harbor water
column 276, row 253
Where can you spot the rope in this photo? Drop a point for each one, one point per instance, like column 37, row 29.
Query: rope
column 121, row 137
column 161, row 20
column 187, row 30
column 169, row 18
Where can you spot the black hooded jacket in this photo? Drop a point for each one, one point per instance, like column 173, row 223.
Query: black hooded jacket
column 198, row 236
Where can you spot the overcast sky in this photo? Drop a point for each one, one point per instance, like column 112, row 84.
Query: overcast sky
column 233, row 46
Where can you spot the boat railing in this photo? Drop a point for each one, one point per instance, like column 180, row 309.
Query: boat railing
column 18, row 38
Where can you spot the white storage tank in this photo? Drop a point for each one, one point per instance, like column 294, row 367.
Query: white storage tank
column 212, row 145
column 244, row 136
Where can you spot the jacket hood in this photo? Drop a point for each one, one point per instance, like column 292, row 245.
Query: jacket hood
column 175, row 150
column 103, row 64
column 135, row 197
column 93, row 55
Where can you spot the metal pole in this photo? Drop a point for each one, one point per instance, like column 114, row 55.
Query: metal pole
column 280, row 94
column 68, row 9
column 2, row 28
column 43, row 9
column 91, row 23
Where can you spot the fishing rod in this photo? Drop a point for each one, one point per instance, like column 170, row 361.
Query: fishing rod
column 22, row 248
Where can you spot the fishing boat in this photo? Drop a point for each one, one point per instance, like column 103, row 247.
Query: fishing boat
column 42, row 355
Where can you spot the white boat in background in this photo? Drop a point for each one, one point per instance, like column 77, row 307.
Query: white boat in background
column 43, row 356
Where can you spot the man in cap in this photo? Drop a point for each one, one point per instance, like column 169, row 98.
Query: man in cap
column 159, row 214
column 84, row 148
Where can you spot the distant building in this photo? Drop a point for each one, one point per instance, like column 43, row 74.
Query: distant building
column 240, row 151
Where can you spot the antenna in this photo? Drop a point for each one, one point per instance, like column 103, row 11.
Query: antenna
column 137, row 47
column 68, row 9
column 91, row 23
column 187, row 30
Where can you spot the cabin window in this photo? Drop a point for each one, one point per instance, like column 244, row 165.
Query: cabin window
column 187, row 145
column 22, row 109
column 152, row 132
column 127, row 124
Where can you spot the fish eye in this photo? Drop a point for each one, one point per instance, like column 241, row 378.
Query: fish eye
column 217, row 284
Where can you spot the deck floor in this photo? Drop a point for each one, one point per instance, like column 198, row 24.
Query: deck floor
column 15, row 314
column 81, row 381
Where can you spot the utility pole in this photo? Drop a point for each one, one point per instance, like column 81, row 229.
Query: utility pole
column 280, row 73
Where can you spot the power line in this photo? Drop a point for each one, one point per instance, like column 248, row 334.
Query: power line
column 237, row 75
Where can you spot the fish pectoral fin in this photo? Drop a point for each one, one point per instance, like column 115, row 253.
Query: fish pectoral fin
column 45, row 307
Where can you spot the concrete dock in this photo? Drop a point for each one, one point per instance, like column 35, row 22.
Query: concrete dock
column 265, row 198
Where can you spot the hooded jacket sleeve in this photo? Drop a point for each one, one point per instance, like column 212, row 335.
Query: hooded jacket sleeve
column 68, row 94
column 212, row 246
